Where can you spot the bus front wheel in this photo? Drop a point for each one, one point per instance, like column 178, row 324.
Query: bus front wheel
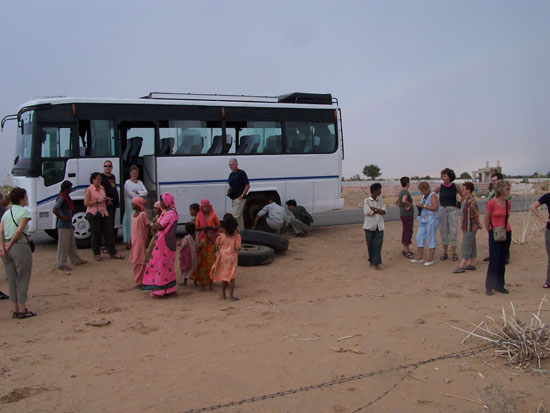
column 82, row 228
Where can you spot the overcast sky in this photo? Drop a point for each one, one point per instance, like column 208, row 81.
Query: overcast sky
column 422, row 85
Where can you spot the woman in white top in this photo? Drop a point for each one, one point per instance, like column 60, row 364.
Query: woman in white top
column 132, row 187
column 16, row 252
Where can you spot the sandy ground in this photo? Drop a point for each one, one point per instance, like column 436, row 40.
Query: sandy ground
column 195, row 350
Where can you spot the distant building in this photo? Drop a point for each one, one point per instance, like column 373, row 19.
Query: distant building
column 483, row 175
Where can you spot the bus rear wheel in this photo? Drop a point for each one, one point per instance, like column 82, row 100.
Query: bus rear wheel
column 254, row 203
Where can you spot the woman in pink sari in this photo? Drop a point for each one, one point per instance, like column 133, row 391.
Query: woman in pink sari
column 160, row 277
column 206, row 218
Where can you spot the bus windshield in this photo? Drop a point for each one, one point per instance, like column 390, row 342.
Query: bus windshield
column 23, row 144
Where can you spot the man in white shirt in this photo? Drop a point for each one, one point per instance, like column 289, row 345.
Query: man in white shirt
column 275, row 216
column 373, row 225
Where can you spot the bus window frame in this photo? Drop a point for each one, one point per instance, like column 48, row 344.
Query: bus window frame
column 38, row 148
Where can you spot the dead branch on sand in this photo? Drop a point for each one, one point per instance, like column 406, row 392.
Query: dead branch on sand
column 515, row 340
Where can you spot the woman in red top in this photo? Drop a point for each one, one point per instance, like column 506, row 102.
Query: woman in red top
column 497, row 213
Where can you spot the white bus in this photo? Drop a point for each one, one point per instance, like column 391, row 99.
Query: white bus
column 290, row 146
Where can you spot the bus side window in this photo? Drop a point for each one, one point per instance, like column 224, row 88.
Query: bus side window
column 273, row 144
column 299, row 137
column 191, row 142
column 228, row 143
column 324, row 138
column 97, row 138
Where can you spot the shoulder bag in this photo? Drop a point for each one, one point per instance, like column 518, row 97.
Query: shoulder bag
column 31, row 242
column 499, row 233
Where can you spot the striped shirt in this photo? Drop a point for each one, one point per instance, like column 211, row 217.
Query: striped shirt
column 470, row 214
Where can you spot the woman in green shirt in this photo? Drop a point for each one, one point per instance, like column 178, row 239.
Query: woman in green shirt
column 16, row 252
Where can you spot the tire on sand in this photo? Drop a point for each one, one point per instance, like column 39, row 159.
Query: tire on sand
column 255, row 255
column 278, row 243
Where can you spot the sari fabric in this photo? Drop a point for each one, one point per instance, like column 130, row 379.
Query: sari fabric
column 202, row 220
column 160, row 277
column 207, row 256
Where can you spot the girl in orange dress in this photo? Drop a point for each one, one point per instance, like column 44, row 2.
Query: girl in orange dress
column 139, row 235
column 225, row 266
column 207, row 256
column 206, row 218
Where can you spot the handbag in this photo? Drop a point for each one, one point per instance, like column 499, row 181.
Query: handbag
column 499, row 233
column 31, row 242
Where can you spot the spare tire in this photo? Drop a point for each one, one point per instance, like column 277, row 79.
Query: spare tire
column 278, row 243
column 255, row 255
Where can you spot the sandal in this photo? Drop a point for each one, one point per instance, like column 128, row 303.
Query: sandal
column 15, row 314
column 65, row 268
column 470, row 267
column 455, row 257
column 443, row 257
column 98, row 258
column 234, row 298
column 546, row 285
column 117, row 257
column 26, row 314
column 459, row 270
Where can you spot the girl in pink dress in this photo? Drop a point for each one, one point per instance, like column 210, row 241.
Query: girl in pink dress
column 225, row 266
column 160, row 277
column 188, row 253
column 139, row 235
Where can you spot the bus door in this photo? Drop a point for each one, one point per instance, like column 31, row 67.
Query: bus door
column 57, row 164
column 138, row 148
column 96, row 145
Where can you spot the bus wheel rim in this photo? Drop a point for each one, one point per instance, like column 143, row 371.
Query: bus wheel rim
column 81, row 226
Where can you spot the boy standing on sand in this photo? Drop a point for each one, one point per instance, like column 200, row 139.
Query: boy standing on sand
column 66, row 244
column 373, row 225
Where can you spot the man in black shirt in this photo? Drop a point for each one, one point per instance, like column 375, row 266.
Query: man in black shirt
column 238, row 188
column 108, row 180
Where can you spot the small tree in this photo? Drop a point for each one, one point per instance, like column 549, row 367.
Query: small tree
column 465, row 175
column 355, row 177
column 372, row 171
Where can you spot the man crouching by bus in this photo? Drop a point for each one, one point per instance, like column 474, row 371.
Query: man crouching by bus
column 300, row 219
column 66, row 245
column 238, row 188
column 275, row 216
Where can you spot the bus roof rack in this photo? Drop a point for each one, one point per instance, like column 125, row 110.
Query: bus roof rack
column 296, row 97
column 308, row 98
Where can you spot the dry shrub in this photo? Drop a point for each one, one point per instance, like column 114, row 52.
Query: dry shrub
column 522, row 344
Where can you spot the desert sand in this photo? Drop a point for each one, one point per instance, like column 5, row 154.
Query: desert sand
column 195, row 350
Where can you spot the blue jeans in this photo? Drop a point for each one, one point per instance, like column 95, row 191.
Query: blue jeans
column 497, row 261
